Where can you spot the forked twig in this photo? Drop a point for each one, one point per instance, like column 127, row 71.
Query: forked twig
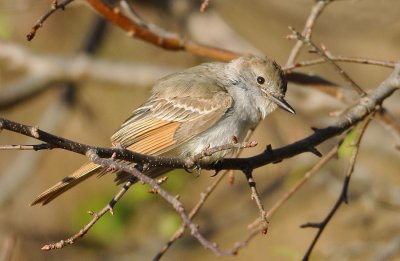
column 278, row 204
column 96, row 217
column 316, row 10
column 327, row 56
column 179, row 232
column 154, row 184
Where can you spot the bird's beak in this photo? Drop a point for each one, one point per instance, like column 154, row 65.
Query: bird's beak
column 283, row 104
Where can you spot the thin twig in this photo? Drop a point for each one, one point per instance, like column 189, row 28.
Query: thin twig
column 256, row 197
column 166, row 40
column 325, row 159
column 39, row 23
column 343, row 195
column 179, row 232
column 316, row 10
column 96, row 217
column 204, row 5
column 42, row 146
column 175, row 203
column 340, row 58
column 326, row 55
column 210, row 151
column 203, row 198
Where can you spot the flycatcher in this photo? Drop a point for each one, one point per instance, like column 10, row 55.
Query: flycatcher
column 202, row 106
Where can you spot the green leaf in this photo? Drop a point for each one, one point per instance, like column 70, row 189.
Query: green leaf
column 347, row 147
column 168, row 224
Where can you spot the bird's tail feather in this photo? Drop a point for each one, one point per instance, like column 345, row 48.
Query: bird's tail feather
column 67, row 183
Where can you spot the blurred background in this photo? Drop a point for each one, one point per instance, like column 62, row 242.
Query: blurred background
column 90, row 108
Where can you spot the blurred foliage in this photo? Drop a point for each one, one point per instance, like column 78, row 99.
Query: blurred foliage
column 286, row 253
column 4, row 25
column 296, row 174
column 111, row 228
column 168, row 223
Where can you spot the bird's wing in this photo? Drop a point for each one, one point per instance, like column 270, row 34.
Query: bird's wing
column 155, row 127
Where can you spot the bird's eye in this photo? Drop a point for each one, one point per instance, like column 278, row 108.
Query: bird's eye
column 260, row 80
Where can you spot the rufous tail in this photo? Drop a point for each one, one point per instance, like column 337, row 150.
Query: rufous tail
column 67, row 183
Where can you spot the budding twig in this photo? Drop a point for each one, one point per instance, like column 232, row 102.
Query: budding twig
column 39, row 23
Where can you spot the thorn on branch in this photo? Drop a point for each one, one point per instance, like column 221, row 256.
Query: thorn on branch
column 110, row 210
column 316, row 152
column 215, row 174
column 314, row 129
column 153, row 191
column 162, row 180
column 311, row 225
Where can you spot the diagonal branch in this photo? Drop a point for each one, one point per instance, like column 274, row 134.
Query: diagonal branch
column 316, row 10
column 343, row 195
column 327, row 56
column 166, row 40
column 256, row 197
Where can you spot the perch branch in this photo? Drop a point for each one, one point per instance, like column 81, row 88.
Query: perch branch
column 154, row 184
column 355, row 114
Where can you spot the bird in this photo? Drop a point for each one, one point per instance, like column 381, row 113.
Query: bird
column 202, row 106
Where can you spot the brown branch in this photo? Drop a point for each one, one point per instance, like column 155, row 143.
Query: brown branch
column 179, row 232
column 203, row 198
column 256, row 197
column 340, row 58
column 316, row 10
column 343, row 194
column 327, row 56
column 39, row 23
column 210, row 151
column 172, row 200
column 325, row 159
column 96, row 216
column 204, row 5
column 166, row 40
